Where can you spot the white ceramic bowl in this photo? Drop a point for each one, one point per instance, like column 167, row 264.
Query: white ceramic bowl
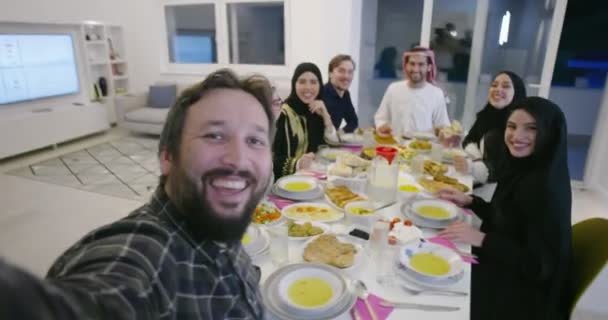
column 283, row 182
column 452, row 209
column 334, row 281
column 365, row 220
column 452, row 258
column 408, row 195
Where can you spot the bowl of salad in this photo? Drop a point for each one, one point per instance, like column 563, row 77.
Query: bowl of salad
column 266, row 213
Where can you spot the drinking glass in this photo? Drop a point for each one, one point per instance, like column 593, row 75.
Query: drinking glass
column 278, row 244
column 379, row 238
column 437, row 152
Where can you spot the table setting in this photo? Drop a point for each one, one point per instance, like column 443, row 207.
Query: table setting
column 362, row 243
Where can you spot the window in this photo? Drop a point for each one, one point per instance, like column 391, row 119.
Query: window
column 256, row 32
column 191, row 33
column 226, row 32
column 397, row 30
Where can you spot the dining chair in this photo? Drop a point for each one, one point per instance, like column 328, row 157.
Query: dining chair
column 590, row 254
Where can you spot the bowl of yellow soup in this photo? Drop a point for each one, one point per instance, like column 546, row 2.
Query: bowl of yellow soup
column 407, row 191
column 429, row 261
column 310, row 291
column 361, row 213
column 435, row 210
column 297, row 184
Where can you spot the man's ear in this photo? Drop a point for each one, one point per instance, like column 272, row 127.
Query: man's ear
column 166, row 162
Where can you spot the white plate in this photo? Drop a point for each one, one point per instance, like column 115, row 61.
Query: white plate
column 335, row 281
column 306, row 215
column 333, row 205
column 408, row 251
column 426, row 136
column 359, row 255
column 321, row 225
column 351, row 139
column 282, row 182
column 404, row 274
column 277, row 310
column 452, row 209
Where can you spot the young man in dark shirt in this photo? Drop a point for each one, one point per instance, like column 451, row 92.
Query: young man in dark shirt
column 336, row 95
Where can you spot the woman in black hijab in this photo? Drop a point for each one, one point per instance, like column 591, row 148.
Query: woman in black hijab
column 524, row 244
column 304, row 123
column 483, row 142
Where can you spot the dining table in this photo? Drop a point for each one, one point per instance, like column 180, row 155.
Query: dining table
column 372, row 267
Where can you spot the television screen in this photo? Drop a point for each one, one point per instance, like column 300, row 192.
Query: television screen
column 36, row 66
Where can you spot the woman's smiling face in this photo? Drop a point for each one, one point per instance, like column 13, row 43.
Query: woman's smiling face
column 307, row 87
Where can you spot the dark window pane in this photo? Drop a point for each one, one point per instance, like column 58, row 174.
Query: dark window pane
column 191, row 33
column 256, row 33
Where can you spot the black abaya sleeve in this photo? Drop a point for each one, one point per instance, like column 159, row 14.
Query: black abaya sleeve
column 316, row 132
column 481, row 208
column 283, row 163
column 474, row 135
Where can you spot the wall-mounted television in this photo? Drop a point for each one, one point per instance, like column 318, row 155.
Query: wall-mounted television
column 35, row 66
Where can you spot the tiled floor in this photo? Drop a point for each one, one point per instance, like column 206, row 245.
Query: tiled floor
column 124, row 167
column 40, row 219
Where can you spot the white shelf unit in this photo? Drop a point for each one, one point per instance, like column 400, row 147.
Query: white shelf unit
column 42, row 127
column 105, row 58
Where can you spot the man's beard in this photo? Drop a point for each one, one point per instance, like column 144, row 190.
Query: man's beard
column 201, row 218
column 417, row 78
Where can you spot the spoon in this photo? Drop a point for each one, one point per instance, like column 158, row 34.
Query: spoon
column 385, row 205
column 363, row 294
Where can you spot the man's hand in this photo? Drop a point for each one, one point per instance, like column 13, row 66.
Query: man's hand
column 384, row 130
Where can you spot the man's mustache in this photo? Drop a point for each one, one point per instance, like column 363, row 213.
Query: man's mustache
column 224, row 172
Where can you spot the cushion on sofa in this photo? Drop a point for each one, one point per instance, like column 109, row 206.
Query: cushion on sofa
column 147, row 115
column 162, row 95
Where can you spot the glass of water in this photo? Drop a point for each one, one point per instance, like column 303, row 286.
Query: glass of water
column 378, row 241
column 279, row 244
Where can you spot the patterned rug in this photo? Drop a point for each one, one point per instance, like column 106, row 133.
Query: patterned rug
column 126, row 167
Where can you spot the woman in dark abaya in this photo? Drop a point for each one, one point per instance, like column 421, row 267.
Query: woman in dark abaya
column 484, row 140
column 304, row 123
column 524, row 243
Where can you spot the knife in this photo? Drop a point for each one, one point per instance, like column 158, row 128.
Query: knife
column 426, row 307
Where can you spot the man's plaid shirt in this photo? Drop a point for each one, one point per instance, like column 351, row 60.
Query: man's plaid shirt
column 145, row 266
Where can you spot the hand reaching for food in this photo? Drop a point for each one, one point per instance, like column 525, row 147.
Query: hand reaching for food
column 384, row 130
column 305, row 161
column 456, row 196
